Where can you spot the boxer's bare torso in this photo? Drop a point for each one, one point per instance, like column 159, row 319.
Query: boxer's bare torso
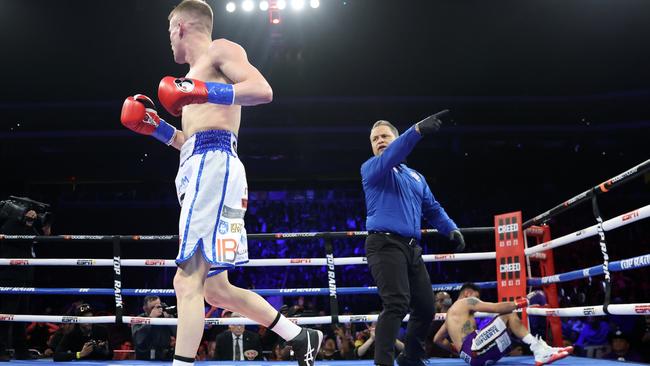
column 201, row 117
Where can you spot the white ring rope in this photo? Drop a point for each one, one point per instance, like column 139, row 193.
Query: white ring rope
column 615, row 309
column 613, row 223
column 211, row 321
column 252, row 263
column 597, row 310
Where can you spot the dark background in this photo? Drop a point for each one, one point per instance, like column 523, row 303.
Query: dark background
column 548, row 99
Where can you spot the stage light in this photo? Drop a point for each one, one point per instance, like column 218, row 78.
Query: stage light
column 231, row 7
column 281, row 4
column 274, row 16
column 314, row 3
column 264, row 5
column 247, row 5
column 297, row 4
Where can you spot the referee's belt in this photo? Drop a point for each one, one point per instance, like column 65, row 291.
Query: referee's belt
column 408, row 241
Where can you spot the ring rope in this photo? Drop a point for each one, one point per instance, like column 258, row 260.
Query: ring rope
column 613, row 223
column 615, row 266
column 597, row 310
column 344, row 261
column 616, row 309
column 209, row 321
column 261, row 292
column 259, row 236
column 603, row 187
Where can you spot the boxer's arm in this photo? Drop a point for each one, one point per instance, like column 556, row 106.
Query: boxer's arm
column 440, row 339
column 490, row 307
column 251, row 88
column 179, row 140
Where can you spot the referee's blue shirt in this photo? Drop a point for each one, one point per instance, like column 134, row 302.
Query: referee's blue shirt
column 397, row 196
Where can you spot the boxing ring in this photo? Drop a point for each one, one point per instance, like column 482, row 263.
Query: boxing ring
column 509, row 361
column 539, row 253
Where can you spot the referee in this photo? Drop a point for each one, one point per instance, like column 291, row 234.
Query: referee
column 396, row 199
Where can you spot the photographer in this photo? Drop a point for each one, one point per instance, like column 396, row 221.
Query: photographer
column 154, row 342
column 18, row 216
column 85, row 341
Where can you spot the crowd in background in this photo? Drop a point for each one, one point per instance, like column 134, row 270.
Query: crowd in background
column 616, row 337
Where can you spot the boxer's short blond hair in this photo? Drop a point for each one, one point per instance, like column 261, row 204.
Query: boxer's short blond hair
column 198, row 10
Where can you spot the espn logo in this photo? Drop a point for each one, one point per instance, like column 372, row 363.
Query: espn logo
column 18, row 262
column 642, row 309
column 154, row 262
column 589, row 311
column 140, row 321
column 630, row 215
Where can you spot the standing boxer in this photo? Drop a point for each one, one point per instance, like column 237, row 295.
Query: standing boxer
column 211, row 181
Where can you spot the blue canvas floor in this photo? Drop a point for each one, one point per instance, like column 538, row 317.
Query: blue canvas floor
column 508, row 361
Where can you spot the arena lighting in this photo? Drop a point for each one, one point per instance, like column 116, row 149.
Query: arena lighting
column 314, row 3
column 264, row 5
column 274, row 16
column 297, row 4
column 282, row 4
column 248, row 5
column 230, row 7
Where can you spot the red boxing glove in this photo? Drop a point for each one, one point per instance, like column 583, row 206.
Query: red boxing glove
column 138, row 115
column 521, row 303
column 175, row 93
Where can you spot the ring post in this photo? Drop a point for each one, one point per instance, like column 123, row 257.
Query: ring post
column 510, row 263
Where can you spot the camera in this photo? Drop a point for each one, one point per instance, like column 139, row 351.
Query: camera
column 15, row 208
column 98, row 345
column 170, row 310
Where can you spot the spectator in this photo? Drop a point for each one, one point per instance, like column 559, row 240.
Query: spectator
column 281, row 352
column 237, row 344
column 328, row 351
column 21, row 224
column 84, row 341
column 153, row 342
column 593, row 336
column 344, row 342
column 621, row 351
column 364, row 346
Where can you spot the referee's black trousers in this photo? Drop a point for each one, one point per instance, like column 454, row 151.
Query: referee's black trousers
column 403, row 282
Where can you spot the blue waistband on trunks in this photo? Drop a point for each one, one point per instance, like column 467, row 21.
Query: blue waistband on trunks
column 211, row 140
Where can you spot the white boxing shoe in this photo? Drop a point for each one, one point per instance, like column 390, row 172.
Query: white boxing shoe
column 545, row 354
